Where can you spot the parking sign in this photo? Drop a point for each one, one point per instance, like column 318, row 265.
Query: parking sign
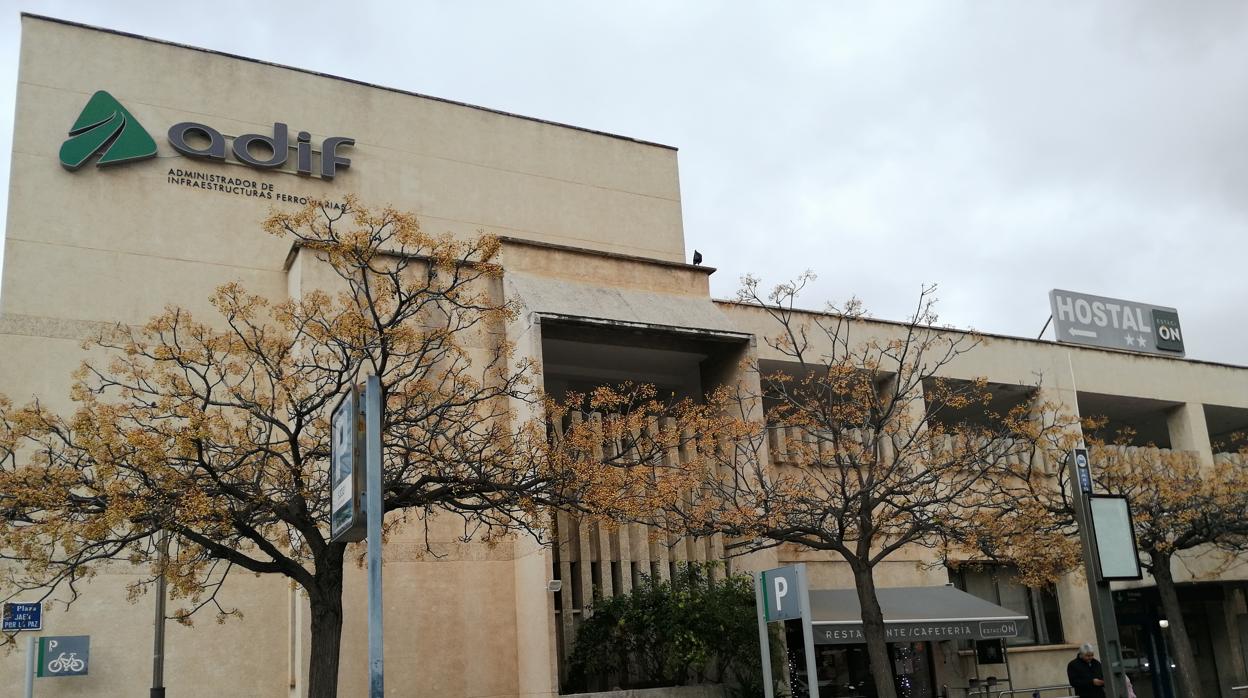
column 64, row 655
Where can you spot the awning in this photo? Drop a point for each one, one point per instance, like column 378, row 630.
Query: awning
column 912, row 614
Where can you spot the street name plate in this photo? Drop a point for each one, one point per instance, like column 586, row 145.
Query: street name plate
column 1113, row 323
column 22, row 616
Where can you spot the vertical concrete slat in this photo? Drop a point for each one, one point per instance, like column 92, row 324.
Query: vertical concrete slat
column 775, row 441
column 686, row 456
column 604, row 560
column 587, row 573
column 659, row 554
column 624, row 538
column 674, row 457
column 564, row 531
column 641, row 549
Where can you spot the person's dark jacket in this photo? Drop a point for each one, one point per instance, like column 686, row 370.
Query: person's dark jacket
column 1080, row 675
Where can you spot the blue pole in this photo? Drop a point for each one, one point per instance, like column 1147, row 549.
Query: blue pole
column 373, row 512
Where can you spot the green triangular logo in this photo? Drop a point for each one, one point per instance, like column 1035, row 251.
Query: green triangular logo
column 105, row 126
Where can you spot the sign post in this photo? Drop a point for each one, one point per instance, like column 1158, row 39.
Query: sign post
column 158, row 634
column 376, row 654
column 1099, row 594
column 30, row 667
column 782, row 594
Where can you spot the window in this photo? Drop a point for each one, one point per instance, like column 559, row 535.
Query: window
column 996, row 583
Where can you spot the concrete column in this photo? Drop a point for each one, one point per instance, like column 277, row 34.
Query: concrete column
column 738, row 369
column 913, row 410
column 537, row 652
column 1056, row 396
column 1189, row 432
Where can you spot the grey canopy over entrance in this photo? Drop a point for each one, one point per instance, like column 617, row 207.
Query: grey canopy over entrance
column 912, row 614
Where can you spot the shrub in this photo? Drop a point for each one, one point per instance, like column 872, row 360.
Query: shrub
column 686, row 631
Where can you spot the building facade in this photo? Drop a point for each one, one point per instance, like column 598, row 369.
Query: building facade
column 594, row 254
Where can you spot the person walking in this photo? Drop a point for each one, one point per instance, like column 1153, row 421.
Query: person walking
column 1085, row 674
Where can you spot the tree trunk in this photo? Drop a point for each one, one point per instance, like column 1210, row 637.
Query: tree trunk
column 873, row 629
column 325, row 606
column 1188, row 679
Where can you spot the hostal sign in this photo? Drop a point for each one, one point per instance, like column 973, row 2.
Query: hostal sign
column 1113, row 323
column 108, row 128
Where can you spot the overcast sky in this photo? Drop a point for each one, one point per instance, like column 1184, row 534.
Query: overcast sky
column 998, row 149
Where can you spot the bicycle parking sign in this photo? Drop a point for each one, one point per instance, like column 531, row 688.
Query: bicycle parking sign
column 65, row 655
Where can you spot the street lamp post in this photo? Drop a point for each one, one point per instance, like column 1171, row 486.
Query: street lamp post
column 158, row 637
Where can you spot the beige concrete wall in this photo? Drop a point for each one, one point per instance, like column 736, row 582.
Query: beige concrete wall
column 450, row 623
column 460, row 168
column 121, row 641
column 587, row 267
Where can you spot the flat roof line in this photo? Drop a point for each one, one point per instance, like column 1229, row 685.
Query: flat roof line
column 117, row 32
column 512, row 240
column 994, row 335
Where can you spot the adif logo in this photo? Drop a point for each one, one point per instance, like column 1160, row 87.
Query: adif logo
column 105, row 126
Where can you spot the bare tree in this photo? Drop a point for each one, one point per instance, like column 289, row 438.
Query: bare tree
column 870, row 453
column 217, row 432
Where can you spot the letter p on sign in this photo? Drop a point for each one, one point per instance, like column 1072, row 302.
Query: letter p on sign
column 782, row 590
column 783, row 593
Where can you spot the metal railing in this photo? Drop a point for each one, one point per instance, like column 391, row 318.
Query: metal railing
column 1067, row 691
column 1000, row 691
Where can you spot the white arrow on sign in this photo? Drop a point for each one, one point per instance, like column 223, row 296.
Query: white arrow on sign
column 1081, row 333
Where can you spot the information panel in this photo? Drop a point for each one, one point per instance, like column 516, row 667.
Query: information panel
column 346, row 471
column 1117, row 556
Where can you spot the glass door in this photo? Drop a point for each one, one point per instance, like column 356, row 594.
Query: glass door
column 912, row 670
column 844, row 671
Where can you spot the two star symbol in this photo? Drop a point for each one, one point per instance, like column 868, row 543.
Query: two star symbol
column 1132, row 341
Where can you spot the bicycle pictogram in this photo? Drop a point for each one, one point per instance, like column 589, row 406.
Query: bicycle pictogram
column 64, row 655
column 65, row 662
